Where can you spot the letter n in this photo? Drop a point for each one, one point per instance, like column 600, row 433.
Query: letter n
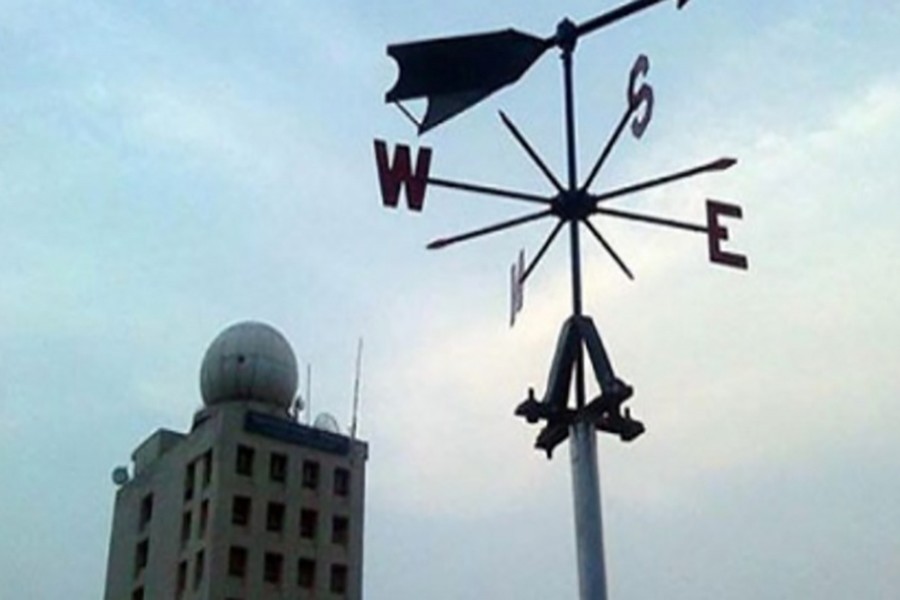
column 402, row 174
column 516, row 288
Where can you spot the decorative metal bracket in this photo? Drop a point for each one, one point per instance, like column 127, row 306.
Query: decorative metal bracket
column 578, row 334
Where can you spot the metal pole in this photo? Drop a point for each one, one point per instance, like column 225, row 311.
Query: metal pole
column 582, row 441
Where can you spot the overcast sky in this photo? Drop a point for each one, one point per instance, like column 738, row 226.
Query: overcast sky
column 168, row 168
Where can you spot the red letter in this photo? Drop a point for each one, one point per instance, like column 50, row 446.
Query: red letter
column 392, row 177
column 516, row 288
column 642, row 95
column 717, row 233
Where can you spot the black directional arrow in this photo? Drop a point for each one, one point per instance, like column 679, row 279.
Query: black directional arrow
column 456, row 73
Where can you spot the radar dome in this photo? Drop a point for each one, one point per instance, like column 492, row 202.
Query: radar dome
column 327, row 422
column 249, row 361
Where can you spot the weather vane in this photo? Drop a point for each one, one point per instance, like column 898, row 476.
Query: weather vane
column 453, row 74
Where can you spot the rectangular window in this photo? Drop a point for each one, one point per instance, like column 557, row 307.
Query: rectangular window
column 275, row 516
column 146, row 511
column 338, row 583
column 278, row 467
column 340, row 531
column 237, row 561
column 310, row 474
column 244, row 464
column 272, row 567
column 189, row 481
column 198, row 568
column 306, row 573
column 182, row 577
column 240, row 510
column 185, row 527
column 341, row 482
column 309, row 522
column 141, row 556
column 207, row 468
column 204, row 518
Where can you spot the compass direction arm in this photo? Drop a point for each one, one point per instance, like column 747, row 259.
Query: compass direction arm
column 617, row 14
column 636, row 97
column 444, row 242
column 489, row 190
column 715, row 231
column 610, row 144
column 608, row 248
column 716, row 165
column 531, row 152
column 540, row 254
column 622, row 214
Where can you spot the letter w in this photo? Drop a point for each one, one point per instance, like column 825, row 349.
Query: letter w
column 400, row 173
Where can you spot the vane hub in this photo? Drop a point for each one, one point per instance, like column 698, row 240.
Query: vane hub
column 572, row 205
column 566, row 35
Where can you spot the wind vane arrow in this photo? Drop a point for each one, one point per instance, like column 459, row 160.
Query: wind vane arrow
column 456, row 73
column 620, row 13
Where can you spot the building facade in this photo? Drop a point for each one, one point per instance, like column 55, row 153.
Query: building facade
column 250, row 504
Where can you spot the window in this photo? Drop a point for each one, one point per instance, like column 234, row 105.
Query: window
column 207, row 468
column 204, row 517
column 138, row 594
column 275, row 516
column 309, row 520
column 272, row 567
column 244, row 465
column 198, row 568
column 185, row 527
column 338, row 583
column 340, row 530
column 146, row 511
column 310, row 474
column 341, row 482
column 182, row 576
column 278, row 467
column 306, row 573
column 240, row 510
column 141, row 555
column 189, row 481
column 237, row 561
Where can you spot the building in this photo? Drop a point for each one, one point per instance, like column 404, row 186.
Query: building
column 250, row 504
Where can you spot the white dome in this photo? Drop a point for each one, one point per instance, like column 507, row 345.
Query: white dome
column 249, row 361
column 327, row 422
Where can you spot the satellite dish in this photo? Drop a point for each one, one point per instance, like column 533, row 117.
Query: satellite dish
column 327, row 422
column 297, row 407
column 120, row 475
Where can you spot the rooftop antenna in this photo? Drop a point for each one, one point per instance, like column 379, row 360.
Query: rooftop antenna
column 353, row 423
column 297, row 407
column 308, row 393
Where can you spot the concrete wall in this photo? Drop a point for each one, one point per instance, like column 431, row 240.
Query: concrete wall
column 219, row 430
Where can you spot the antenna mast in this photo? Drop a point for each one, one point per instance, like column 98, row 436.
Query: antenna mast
column 353, row 423
column 308, row 393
